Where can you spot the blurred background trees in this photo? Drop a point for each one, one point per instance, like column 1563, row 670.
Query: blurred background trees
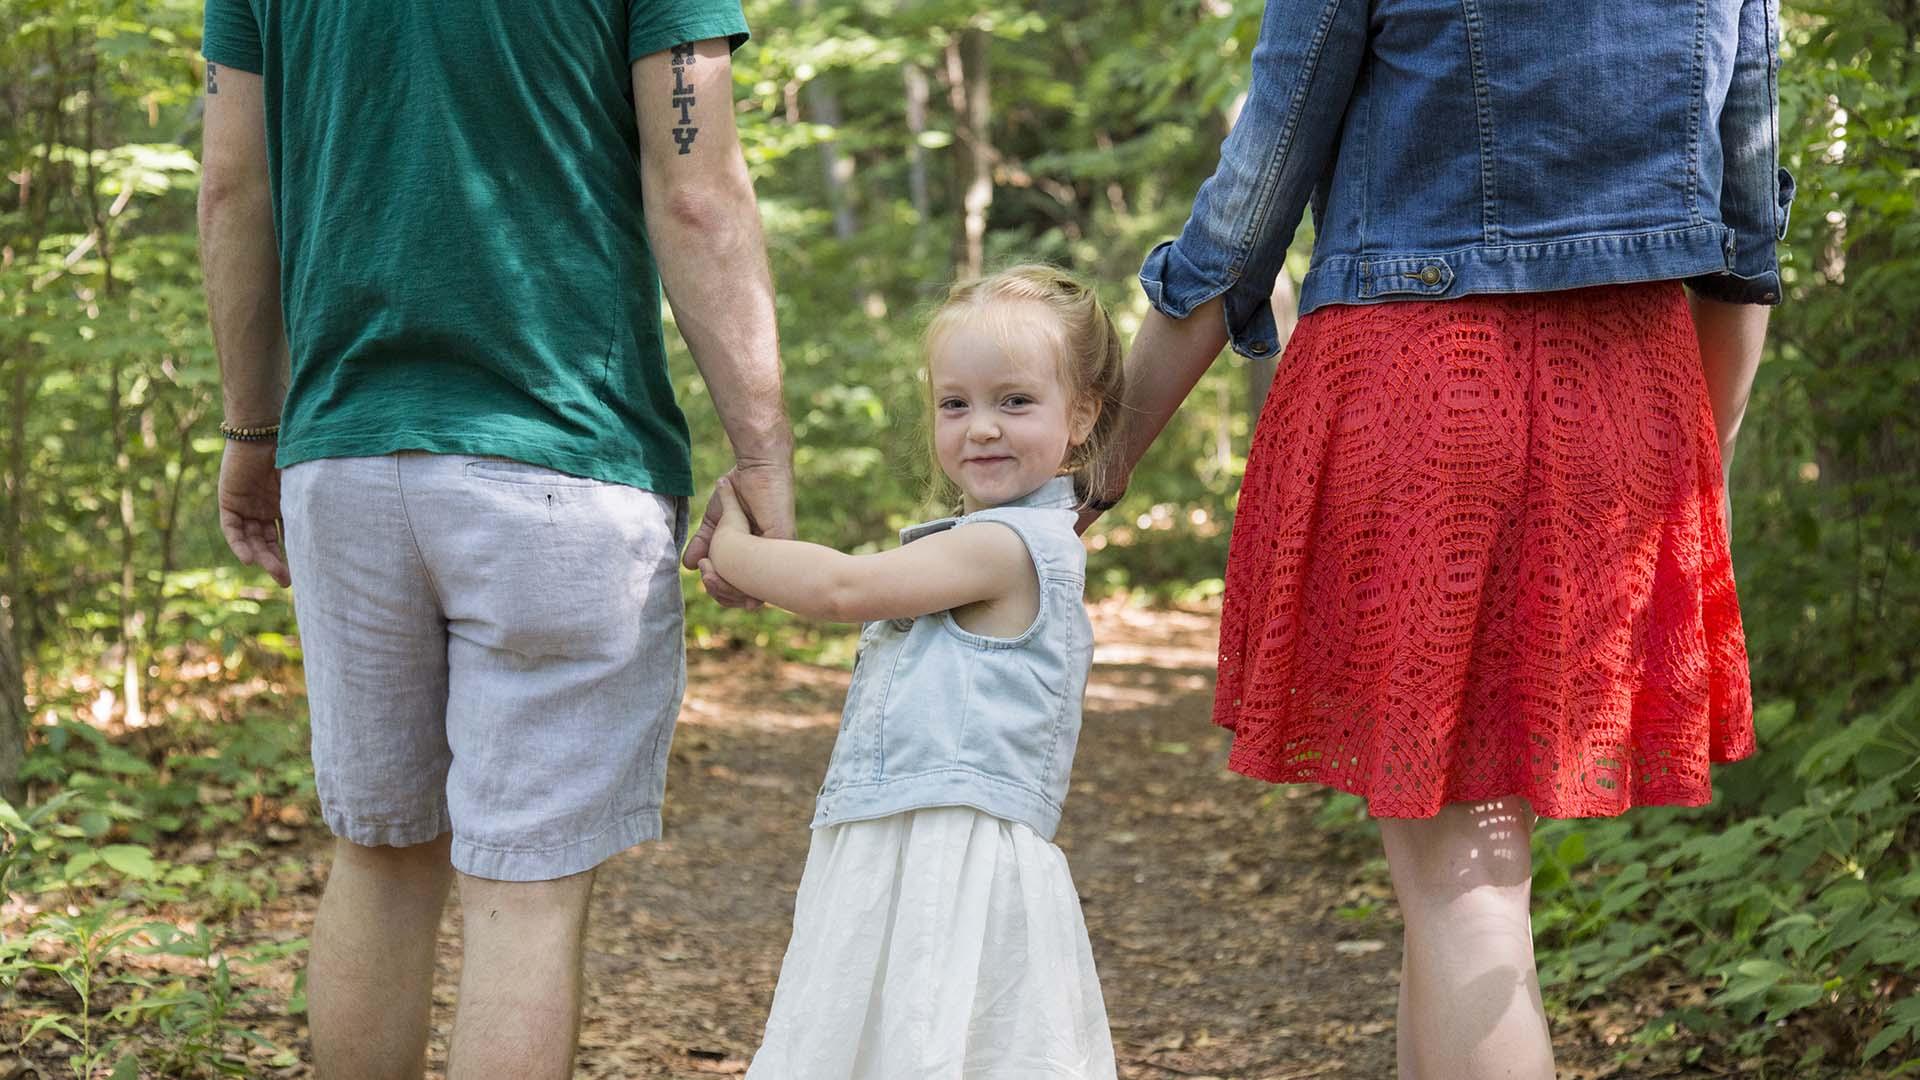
column 897, row 145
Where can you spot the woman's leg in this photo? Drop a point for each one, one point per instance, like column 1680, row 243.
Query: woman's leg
column 1469, row 993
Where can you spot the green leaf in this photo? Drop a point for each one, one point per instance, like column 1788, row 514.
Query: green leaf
column 1889, row 1035
column 132, row 860
column 80, row 864
column 56, row 1023
column 1791, row 998
column 93, row 823
column 1573, row 850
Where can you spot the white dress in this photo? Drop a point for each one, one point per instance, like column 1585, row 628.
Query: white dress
column 937, row 944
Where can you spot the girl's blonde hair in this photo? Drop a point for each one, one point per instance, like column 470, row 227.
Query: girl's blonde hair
column 1087, row 346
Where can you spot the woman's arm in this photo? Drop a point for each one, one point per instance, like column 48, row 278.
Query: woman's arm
column 1214, row 281
column 1755, row 192
column 964, row 565
column 1167, row 358
column 1731, row 338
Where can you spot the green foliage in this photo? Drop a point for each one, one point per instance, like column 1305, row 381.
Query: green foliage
column 1793, row 899
column 82, row 945
column 186, row 1026
column 116, row 836
column 195, row 1020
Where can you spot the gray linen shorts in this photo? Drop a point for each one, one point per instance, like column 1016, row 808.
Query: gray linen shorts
column 492, row 648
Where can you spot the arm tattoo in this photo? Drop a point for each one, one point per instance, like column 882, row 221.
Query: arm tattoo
column 683, row 98
column 212, row 71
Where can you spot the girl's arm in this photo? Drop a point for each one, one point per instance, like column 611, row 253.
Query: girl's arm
column 964, row 565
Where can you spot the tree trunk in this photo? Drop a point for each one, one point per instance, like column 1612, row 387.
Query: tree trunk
column 967, row 85
column 130, row 645
column 836, row 169
column 184, row 461
column 13, row 705
column 13, row 709
column 13, row 517
column 917, row 95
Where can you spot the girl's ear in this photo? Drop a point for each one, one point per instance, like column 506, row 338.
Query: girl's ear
column 1080, row 424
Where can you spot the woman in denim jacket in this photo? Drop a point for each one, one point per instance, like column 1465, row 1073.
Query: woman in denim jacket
column 1479, row 568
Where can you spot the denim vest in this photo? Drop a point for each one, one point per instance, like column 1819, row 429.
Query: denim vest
column 940, row 716
column 1491, row 146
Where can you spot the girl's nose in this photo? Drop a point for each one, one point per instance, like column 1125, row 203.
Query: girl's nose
column 983, row 431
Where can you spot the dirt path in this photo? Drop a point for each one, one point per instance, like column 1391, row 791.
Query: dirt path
column 1212, row 901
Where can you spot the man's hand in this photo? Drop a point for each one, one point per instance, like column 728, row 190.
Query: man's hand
column 765, row 493
column 250, row 506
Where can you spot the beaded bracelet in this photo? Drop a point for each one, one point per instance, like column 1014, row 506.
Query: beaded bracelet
column 250, row 434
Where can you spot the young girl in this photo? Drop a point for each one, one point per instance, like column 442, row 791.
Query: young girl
column 937, row 933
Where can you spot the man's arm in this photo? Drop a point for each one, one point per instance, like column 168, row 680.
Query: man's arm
column 241, row 266
column 704, row 227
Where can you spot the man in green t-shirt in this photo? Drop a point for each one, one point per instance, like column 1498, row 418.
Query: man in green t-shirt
column 435, row 238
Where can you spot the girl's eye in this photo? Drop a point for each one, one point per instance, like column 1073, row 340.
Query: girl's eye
column 1019, row 401
column 952, row 404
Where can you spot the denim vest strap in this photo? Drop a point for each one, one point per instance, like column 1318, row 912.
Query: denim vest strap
column 938, row 715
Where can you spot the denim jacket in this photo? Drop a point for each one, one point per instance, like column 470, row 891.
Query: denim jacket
column 1491, row 146
column 940, row 716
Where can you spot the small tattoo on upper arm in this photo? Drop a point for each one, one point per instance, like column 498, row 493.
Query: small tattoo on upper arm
column 213, row 87
column 683, row 98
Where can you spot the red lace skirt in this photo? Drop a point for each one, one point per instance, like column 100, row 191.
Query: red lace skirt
column 1480, row 551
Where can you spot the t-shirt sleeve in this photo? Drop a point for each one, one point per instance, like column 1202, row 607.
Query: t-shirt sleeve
column 232, row 35
column 655, row 25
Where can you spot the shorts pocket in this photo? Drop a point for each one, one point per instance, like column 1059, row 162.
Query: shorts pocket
column 521, row 474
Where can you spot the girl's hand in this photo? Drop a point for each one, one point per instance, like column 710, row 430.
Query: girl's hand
column 733, row 516
column 729, row 520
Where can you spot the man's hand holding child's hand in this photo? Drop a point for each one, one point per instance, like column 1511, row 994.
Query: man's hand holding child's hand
column 733, row 521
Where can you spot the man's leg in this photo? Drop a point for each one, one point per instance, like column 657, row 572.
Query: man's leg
column 519, row 1010
column 370, row 976
column 376, row 667
column 566, row 664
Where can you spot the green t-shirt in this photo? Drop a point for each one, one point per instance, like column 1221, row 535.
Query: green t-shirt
column 463, row 262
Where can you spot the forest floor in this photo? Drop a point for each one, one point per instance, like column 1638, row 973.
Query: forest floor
column 1235, row 938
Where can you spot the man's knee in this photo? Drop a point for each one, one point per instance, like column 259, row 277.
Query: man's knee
column 560, row 897
column 422, row 864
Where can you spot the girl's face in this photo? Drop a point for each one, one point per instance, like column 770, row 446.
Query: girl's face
column 1003, row 418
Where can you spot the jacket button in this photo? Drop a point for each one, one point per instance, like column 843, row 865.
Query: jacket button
column 1259, row 348
column 1430, row 276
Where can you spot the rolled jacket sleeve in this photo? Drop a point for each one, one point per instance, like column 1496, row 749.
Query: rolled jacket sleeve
column 1755, row 193
column 1235, row 242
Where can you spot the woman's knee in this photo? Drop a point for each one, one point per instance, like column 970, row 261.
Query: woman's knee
column 1466, row 846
